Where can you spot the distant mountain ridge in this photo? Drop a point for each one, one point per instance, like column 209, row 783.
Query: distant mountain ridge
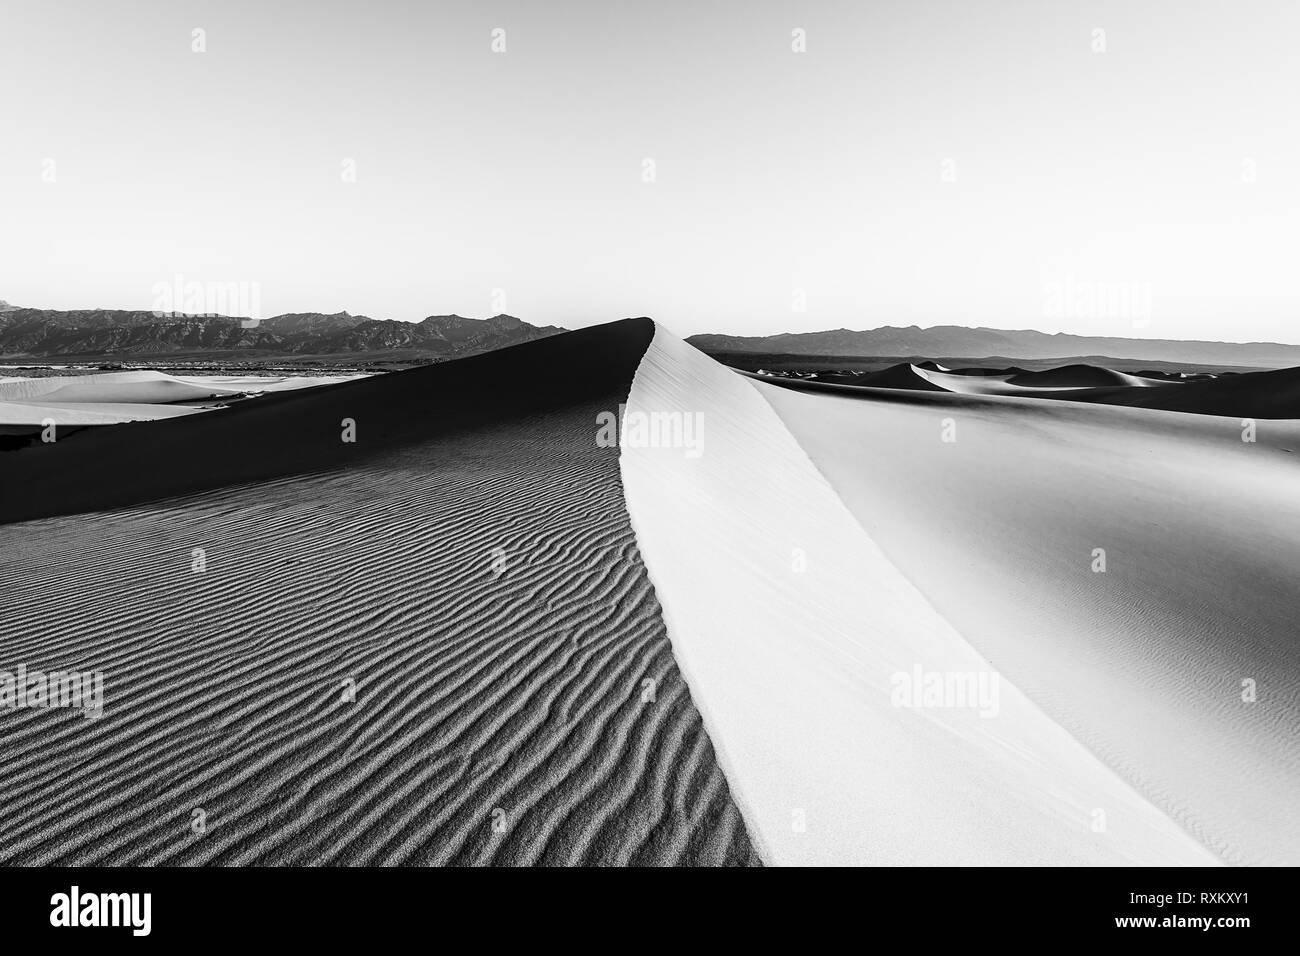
column 47, row 333
column 954, row 341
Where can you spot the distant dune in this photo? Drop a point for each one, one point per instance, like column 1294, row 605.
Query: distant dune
column 897, row 376
column 1265, row 394
column 1077, row 376
column 30, row 416
column 957, row 340
column 120, row 387
column 28, row 404
column 1273, row 394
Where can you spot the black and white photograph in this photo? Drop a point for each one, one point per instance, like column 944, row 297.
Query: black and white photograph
column 784, row 433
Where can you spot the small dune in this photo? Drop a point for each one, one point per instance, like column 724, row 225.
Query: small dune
column 1265, row 394
column 38, row 413
column 138, row 396
column 143, row 387
column 903, row 375
column 1078, row 376
column 1270, row 394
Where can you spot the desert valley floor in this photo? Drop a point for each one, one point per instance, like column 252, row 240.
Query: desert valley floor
column 476, row 633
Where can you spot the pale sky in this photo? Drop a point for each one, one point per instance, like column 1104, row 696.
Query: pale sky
column 963, row 162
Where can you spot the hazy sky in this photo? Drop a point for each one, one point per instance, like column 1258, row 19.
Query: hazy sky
column 921, row 163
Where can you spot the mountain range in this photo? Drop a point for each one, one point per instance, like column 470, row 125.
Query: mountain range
column 959, row 341
column 89, row 334
column 46, row 333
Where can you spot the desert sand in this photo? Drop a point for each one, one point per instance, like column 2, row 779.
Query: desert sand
column 1265, row 394
column 1142, row 662
column 114, row 398
column 789, row 622
column 430, row 617
column 435, row 645
column 155, row 388
column 33, row 414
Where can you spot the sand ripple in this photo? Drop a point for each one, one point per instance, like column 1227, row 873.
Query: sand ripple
column 530, row 716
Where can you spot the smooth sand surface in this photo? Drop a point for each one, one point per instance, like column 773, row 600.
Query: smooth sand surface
column 147, row 387
column 1142, row 663
column 1051, row 384
column 150, row 387
column 134, row 396
column 466, row 572
column 89, row 413
column 266, row 383
column 790, row 623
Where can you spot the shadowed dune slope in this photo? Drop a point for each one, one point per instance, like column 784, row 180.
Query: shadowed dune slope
column 902, row 375
column 1273, row 394
column 297, row 432
column 1077, row 376
column 448, row 651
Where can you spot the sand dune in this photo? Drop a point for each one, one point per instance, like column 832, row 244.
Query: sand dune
column 1142, row 662
column 139, row 396
column 120, row 397
column 257, row 384
column 974, row 384
column 439, row 642
column 467, row 572
column 791, row 625
column 1270, row 394
column 896, row 376
column 154, row 388
column 1034, row 384
column 1079, row 376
